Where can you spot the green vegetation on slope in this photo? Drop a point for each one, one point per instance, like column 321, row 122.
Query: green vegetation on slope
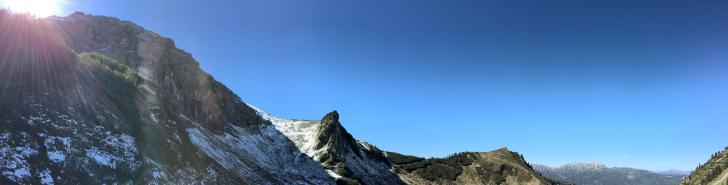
column 495, row 167
column 113, row 81
column 117, row 69
column 712, row 172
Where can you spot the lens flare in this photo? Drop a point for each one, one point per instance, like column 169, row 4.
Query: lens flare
column 38, row 8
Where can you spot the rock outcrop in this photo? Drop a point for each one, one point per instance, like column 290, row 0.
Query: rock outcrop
column 346, row 159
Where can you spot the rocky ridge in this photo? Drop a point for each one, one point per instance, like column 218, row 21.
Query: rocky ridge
column 97, row 100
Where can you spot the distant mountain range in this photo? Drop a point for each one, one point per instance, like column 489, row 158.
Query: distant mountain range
column 674, row 172
column 600, row 174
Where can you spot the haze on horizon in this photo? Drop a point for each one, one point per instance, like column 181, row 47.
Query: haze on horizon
column 635, row 84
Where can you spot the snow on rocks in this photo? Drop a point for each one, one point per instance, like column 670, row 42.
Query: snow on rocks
column 101, row 157
column 46, row 178
column 57, row 148
column 119, row 149
column 303, row 133
column 247, row 151
column 14, row 160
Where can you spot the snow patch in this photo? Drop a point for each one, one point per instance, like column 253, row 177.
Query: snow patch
column 57, row 148
column 101, row 157
column 153, row 117
column 245, row 152
column 260, row 112
column 157, row 174
column 56, row 156
column 121, row 149
column 333, row 174
column 303, row 133
column 46, row 178
column 14, row 161
column 18, row 174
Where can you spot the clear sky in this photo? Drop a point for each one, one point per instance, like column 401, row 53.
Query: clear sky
column 627, row 83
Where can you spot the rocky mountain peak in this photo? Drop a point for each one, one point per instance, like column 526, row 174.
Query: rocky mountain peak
column 331, row 117
column 504, row 150
column 333, row 133
column 585, row 166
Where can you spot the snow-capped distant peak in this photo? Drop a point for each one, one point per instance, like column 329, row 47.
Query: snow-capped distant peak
column 585, row 166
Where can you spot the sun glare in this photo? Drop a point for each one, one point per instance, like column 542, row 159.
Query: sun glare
column 39, row 8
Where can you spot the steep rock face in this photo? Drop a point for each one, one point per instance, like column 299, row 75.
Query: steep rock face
column 67, row 120
column 326, row 141
column 197, row 128
column 54, row 124
column 713, row 172
column 496, row 167
column 595, row 173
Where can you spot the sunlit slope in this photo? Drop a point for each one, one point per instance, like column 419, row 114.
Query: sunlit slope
column 495, row 167
column 713, row 172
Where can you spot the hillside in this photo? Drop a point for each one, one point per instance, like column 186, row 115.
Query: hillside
column 496, row 167
column 97, row 100
column 596, row 174
column 713, row 172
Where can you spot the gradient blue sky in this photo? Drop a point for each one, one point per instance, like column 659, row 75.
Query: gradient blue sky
column 627, row 83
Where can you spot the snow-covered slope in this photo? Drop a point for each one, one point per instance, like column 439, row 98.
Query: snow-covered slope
column 326, row 141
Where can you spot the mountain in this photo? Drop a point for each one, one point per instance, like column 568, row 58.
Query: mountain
column 343, row 157
column 674, row 172
column 496, row 167
column 600, row 174
column 713, row 172
column 97, row 100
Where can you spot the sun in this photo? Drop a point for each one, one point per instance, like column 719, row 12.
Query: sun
column 39, row 8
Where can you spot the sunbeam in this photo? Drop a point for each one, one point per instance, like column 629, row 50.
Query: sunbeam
column 39, row 8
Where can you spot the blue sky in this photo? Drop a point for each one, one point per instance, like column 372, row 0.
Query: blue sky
column 627, row 83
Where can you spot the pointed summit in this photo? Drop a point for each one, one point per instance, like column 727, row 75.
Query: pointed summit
column 331, row 117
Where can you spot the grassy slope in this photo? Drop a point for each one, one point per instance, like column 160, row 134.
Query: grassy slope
column 496, row 167
column 721, row 180
column 712, row 172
